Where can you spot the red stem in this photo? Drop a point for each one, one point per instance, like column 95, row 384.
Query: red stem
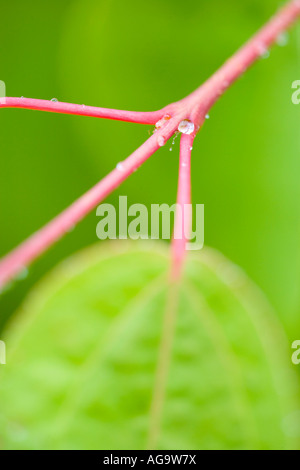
column 198, row 103
column 194, row 107
column 82, row 110
column 29, row 250
column 183, row 216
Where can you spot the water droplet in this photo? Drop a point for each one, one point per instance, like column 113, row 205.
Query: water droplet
column 207, row 116
column 191, row 148
column 186, row 127
column 22, row 97
column 173, row 140
column 120, row 166
column 183, row 164
column 263, row 51
column 162, row 122
column 266, row 55
column 283, row 39
column 54, row 99
column 22, row 274
column 161, row 141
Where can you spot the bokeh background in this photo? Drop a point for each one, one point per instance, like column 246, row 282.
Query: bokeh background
column 141, row 56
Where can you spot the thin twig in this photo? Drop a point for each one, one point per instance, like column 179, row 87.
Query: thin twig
column 82, row 110
column 183, row 215
column 29, row 250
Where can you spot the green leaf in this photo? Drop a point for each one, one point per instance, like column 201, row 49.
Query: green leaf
column 88, row 366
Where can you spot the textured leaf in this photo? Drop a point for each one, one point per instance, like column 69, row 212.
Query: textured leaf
column 83, row 355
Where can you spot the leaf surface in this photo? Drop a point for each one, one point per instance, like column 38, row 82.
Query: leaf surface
column 83, row 358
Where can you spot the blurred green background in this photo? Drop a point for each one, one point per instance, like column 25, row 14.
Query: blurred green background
column 141, row 56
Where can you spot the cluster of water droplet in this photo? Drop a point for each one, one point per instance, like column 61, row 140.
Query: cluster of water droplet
column 159, row 125
column 281, row 40
column 162, row 122
column 174, row 140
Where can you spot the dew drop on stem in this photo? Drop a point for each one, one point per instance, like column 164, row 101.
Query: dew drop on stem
column 22, row 274
column 55, row 100
column 186, row 127
column 161, row 141
column 173, row 140
column 263, row 51
column 162, row 122
column 282, row 40
column 120, row 166
column 266, row 54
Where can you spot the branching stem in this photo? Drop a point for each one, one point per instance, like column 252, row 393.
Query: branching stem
column 194, row 108
column 81, row 110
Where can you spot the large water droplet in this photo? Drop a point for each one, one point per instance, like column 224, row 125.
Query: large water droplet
column 186, row 127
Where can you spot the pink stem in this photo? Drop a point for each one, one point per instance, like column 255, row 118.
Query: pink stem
column 208, row 93
column 182, row 218
column 193, row 107
column 82, row 110
column 29, row 250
